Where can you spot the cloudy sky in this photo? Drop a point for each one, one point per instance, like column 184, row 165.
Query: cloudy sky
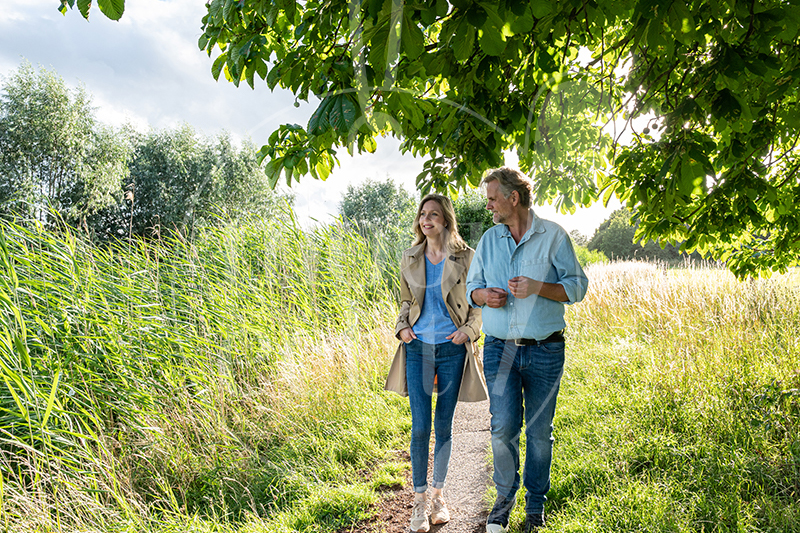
column 147, row 70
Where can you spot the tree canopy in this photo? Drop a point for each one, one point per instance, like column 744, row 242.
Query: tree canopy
column 54, row 155
column 699, row 102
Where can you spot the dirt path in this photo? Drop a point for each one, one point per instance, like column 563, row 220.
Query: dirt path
column 469, row 474
column 467, row 480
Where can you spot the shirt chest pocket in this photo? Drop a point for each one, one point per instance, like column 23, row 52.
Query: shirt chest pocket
column 539, row 270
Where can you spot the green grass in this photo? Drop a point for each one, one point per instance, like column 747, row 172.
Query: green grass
column 234, row 384
column 227, row 384
column 680, row 405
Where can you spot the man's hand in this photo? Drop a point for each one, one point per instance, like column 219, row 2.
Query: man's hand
column 458, row 337
column 494, row 297
column 407, row 335
column 522, row 287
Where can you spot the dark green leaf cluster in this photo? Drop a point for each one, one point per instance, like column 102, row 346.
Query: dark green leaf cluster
column 454, row 80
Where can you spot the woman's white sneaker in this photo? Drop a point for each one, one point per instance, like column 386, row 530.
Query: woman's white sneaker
column 419, row 517
column 439, row 513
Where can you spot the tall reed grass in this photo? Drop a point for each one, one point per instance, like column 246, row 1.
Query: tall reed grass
column 158, row 385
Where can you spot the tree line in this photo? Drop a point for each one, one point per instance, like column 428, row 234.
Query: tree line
column 60, row 165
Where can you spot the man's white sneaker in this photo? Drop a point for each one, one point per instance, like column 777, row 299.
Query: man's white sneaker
column 419, row 517
column 495, row 528
column 439, row 514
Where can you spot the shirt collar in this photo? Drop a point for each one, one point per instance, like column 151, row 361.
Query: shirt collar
column 536, row 227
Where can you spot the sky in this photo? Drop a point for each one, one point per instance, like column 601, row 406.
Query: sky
column 146, row 70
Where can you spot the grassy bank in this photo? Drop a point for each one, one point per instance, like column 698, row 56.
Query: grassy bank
column 680, row 404
column 228, row 384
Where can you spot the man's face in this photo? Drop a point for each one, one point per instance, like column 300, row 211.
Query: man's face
column 500, row 206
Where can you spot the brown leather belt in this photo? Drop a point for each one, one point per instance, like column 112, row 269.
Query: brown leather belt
column 558, row 336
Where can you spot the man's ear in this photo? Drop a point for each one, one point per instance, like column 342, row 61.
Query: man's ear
column 514, row 200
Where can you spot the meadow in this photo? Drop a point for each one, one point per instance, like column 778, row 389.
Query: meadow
column 233, row 383
column 680, row 404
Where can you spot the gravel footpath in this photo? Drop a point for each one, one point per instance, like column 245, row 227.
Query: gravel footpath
column 468, row 476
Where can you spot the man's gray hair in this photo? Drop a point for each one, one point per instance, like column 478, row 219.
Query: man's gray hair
column 510, row 180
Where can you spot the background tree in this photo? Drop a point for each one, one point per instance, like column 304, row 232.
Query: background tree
column 382, row 212
column 375, row 206
column 179, row 179
column 53, row 153
column 616, row 238
column 473, row 218
column 578, row 238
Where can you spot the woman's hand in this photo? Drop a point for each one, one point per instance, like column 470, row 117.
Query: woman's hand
column 407, row 335
column 459, row 337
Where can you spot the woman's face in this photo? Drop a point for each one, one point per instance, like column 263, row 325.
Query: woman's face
column 431, row 219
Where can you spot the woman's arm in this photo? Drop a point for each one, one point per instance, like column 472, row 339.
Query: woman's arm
column 405, row 304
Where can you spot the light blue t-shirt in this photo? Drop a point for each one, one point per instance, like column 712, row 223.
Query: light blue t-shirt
column 434, row 323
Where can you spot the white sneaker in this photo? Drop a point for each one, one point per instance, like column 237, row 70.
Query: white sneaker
column 439, row 514
column 419, row 517
column 495, row 528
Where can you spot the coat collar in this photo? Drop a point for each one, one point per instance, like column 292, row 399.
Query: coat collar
column 415, row 272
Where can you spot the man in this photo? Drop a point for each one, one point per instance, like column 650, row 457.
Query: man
column 523, row 272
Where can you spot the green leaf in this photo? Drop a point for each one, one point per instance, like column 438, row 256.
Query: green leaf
column 83, row 7
column 541, row 8
column 476, row 15
column 319, row 122
column 523, row 23
column 343, row 113
column 273, row 172
column 227, row 10
column 113, row 9
column 273, row 77
column 51, row 399
column 412, row 38
column 261, row 67
column 216, row 67
column 464, row 41
column 491, row 35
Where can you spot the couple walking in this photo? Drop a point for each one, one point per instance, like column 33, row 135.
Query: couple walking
column 515, row 284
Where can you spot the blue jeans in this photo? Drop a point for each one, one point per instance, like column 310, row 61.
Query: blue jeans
column 423, row 362
column 517, row 375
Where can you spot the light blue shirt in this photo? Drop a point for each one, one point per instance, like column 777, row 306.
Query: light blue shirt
column 434, row 323
column 544, row 253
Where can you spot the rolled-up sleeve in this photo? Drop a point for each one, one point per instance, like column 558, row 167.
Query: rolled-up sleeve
column 570, row 273
column 475, row 276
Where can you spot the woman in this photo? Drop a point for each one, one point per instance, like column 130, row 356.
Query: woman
column 437, row 327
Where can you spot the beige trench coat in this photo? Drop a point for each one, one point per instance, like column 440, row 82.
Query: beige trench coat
column 466, row 318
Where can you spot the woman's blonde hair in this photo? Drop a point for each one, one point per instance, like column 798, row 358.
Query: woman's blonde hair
column 452, row 239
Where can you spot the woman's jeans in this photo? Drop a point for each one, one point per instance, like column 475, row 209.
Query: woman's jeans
column 423, row 362
column 523, row 381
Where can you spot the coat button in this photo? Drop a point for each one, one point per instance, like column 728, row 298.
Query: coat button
column 459, row 306
column 459, row 281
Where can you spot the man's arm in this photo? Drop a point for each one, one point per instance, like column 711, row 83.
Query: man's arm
column 522, row 287
column 492, row 297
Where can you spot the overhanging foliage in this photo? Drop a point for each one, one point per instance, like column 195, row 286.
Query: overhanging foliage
column 704, row 96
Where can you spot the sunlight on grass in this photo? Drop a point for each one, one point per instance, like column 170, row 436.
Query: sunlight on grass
column 170, row 385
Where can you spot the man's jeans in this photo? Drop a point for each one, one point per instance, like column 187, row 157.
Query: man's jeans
column 423, row 362
column 515, row 374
